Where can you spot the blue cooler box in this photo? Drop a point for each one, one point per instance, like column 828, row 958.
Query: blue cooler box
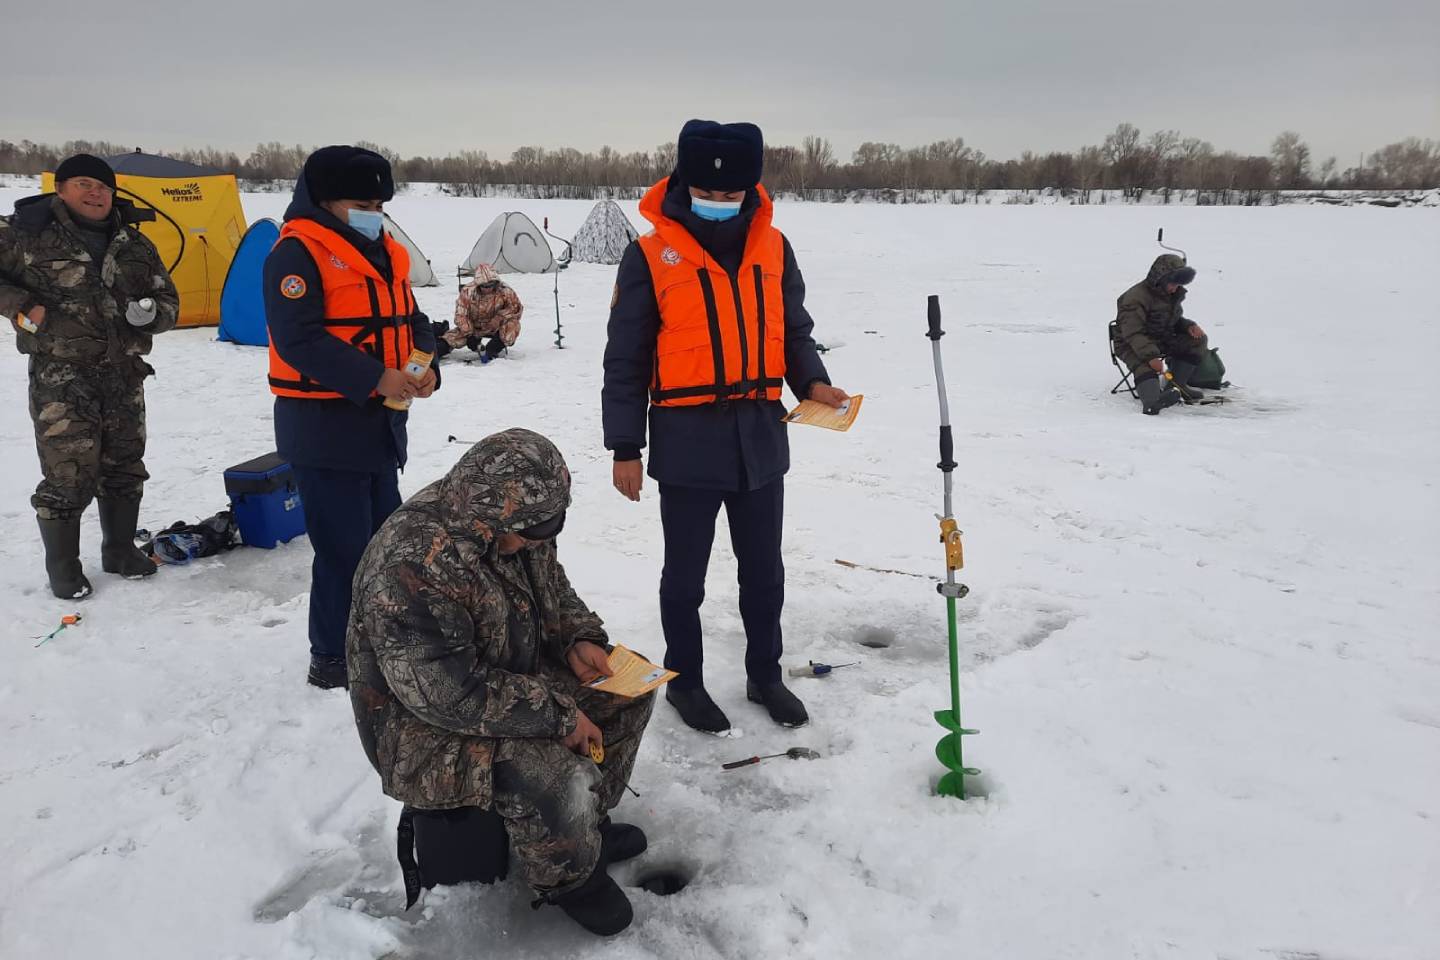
column 265, row 501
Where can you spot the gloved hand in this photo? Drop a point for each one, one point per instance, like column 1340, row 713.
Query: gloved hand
column 140, row 313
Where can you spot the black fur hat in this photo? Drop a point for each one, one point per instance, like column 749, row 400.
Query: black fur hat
column 720, row 156
column 348, row 173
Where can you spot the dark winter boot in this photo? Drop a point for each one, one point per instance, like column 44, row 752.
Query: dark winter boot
column 598, row 904
column 620, row 841
column 118, row 553
column 62, row 558
column 327, row 673
column 785, row 708
column 697, row 709
column 1182, row 371
column 1153, row 397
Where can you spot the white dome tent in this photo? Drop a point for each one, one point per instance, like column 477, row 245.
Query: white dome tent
column 511, row 244
column 604, row 235
column 421, row 274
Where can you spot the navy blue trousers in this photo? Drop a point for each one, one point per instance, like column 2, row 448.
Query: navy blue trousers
column 343, row 509
column 687, row 516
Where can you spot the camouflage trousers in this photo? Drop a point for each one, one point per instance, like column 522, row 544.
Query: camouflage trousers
column 90, row 434
column 506, row 328
column 552, row 800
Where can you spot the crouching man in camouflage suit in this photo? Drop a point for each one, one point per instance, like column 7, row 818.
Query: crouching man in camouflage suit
column 468, row 650
column 486, row 307
column 85, row 293
column 1151, row 328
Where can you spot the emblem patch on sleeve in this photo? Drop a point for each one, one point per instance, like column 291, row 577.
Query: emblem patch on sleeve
column 292, row 287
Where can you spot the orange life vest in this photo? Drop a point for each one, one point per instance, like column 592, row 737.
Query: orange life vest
column 361, row 307
column 721, row 338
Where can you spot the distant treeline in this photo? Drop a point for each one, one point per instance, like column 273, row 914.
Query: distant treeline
column 1125, row 161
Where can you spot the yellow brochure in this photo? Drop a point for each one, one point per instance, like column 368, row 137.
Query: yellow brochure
column 634, row 676
column 814, row 414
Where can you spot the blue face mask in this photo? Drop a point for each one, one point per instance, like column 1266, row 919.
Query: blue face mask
column 367, row 223
column 715, row 209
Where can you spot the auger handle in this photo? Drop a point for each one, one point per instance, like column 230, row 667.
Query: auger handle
column 935, row 332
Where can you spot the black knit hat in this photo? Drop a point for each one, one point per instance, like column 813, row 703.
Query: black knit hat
column 348, row 173
column 720, row 156
column 85, row 165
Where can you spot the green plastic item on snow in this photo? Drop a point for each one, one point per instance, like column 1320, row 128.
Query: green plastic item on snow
column 1210, row 372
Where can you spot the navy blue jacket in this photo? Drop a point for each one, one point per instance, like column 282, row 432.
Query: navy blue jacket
column 735, row 445
column 358, row 433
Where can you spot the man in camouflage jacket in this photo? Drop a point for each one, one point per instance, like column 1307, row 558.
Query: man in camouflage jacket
column 486, row 307
column 468, row 650
column 1151, row 328
column 85, row 292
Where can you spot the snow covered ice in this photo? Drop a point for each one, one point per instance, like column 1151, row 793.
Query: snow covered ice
column 1201, row 647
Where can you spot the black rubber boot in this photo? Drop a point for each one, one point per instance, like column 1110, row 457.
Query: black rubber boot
column 697, row 709
column 620, row 841
column 327, row 673
column 1154, row 398
column 785, row 708
column 62, row 558
column 118, row 553
column 598, row 904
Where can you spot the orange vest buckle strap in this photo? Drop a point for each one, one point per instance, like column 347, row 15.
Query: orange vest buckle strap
column 721, row 337
column 361, row 307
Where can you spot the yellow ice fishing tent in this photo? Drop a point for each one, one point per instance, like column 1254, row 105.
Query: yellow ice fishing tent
column 198, row 224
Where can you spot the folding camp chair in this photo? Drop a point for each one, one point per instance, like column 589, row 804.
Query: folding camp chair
column 1125, row 381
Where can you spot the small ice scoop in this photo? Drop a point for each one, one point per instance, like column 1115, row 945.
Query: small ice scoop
column 794, row 753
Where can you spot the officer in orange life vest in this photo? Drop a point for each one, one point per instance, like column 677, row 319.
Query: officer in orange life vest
column 707, row 324
column 343, row 321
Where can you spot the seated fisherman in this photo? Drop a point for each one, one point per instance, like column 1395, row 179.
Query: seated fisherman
column 1152, row 330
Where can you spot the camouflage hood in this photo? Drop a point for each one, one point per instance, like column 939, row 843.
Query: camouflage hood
column 509, row 481
column 1169, row 268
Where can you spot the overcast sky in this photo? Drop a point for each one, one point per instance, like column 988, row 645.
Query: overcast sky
column 1007, row 75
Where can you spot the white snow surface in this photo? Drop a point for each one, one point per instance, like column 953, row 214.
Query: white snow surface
column 1201, row 647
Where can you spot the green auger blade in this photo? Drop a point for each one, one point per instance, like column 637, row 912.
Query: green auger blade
column 951, row 785
column 947, row 751
column 947, row 720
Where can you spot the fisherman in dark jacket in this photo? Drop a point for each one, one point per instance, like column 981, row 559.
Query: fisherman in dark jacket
column 343, row 323
column 86, row 292
column 1151, row 329
column 708, row 322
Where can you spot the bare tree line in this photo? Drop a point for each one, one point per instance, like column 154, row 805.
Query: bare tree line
column 1163, row 163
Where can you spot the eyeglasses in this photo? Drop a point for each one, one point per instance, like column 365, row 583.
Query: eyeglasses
column 489, row 285
column 86, row 185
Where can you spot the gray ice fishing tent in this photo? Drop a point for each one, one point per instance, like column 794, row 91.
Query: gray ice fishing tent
column 511, row 244
column 421, row 274
column 604, row 235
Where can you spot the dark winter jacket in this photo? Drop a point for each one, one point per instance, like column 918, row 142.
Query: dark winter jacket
column 358, row 433
column 454, row 648
column 737, row 445
column 45, row 260
column 1149, row 320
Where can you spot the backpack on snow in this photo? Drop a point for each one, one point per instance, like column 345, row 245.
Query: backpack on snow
column 1210, row 374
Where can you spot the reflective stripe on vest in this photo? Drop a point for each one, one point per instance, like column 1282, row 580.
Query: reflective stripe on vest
column 361, row 307
column 721, row 337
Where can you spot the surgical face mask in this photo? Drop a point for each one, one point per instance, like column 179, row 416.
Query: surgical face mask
column 367, row 223
column 715, row 209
